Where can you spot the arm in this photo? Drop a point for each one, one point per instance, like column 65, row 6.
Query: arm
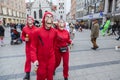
column 92, row 30
column 55, row 40
column 69, row 40
column 34, row 42
column 3, row 30
column 23, row 35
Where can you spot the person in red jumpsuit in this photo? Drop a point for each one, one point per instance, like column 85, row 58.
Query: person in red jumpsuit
column 26, row 36
column 62, row 51
column 43, row 48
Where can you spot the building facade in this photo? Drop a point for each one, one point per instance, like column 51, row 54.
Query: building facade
column 89, row 9
column 79, row 8
column 73, row 10
column 61, row 9
column 37, row 8
column 68, row 17
column 115, row 9
column 12, row 11
column 97, row 9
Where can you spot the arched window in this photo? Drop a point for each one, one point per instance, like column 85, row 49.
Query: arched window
column 40, row 13
column 61, row 17
column 34, row 14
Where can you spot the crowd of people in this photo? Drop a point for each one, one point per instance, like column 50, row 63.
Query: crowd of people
column 47, row 45
column 111, row 28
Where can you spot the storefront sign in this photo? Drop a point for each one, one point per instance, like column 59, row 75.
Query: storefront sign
column 90, row 16
column 101, row 13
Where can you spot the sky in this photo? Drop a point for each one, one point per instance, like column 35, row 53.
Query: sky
column 55, row 1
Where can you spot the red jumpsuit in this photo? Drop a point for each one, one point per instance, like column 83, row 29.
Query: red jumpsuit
column 63, row 40
column 27, row 31
column 43, row 47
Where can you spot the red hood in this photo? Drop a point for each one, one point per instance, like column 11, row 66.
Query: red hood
column 43, row 19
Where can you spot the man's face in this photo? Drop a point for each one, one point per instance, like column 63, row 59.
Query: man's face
column 94, row 21
column 61, row 24
column 30, row 21
column 48, row 20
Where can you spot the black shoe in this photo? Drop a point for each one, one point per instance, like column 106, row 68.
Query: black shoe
column 27, row 76
column 93, row 48
column 97, row 47
column 65, row 78
column 117, row 39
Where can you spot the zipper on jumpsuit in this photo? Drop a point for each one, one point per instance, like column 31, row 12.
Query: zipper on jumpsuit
column 48, row 33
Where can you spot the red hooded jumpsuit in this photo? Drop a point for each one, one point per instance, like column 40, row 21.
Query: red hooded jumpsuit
column 43, row 47
column 63, row 40
column 28, row 31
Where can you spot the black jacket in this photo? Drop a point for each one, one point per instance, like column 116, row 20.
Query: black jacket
column 2, row 30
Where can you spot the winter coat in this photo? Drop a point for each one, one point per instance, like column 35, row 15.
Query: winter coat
column 2, row 30
column 95, row 30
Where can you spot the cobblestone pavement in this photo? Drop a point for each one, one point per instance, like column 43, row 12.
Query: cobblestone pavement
column 85, row 64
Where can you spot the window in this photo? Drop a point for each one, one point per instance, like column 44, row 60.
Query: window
column 40, row 13
column 27, row 15
column 117, row 7
column 99, row 6
column 61, row 17
column 35, row 14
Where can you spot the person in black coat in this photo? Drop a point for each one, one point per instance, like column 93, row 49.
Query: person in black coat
column 2, row 30
column 118, row 27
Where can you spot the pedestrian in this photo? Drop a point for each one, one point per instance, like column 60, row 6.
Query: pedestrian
column 118, row 27
column 114, row 26
column 81, row 26
column 62, row 50
column 43, row 48
column 106, row 26
column 2, row 33
column 94, row 33
column 26, row 36
column 72, row 32
column 67, row 27
column 77, row 26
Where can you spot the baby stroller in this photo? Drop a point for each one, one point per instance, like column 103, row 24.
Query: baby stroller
column 15, row 37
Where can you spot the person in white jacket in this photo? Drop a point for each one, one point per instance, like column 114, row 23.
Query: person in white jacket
column 67, row 27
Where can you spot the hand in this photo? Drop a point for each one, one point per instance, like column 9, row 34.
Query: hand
column 36, row 64
column 26, row 39
column 72, row 42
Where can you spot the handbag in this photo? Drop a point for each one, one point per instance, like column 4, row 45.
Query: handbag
column 63, row 49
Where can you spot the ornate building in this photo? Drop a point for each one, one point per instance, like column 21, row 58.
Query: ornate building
column 12, row 11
